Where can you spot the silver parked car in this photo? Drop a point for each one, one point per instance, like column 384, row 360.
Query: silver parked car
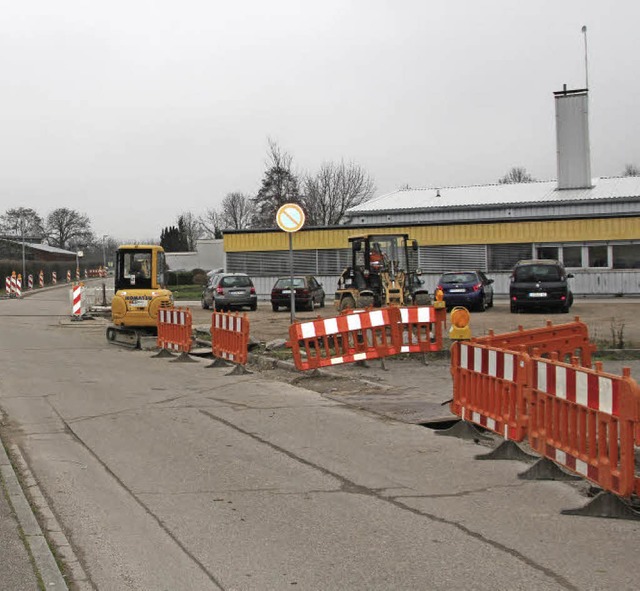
column 229, row 290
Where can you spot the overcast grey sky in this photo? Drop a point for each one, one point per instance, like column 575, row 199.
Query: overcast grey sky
column 133, row 111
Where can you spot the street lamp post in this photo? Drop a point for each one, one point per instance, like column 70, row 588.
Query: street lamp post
column 104, row 252
column 24, row 266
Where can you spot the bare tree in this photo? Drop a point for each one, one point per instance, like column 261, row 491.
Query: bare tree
column 334, row 189
column 518, row 174
column 631, row 170
column 236, row 211
column 66, row 227
column 279, row 186
column 21, row 221
column 190, row 227
column 211, row 223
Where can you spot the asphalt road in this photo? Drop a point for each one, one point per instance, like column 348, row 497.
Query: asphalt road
column 175, row 476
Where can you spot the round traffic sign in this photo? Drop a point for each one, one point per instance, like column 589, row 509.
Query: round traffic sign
column 290, row 217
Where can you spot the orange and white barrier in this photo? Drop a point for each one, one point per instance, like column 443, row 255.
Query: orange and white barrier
column 41, row 279
column 565, row 340
column 18, row 292
column 69, row 276
column 358, row 336
column 174, row 329
column 422, row 328
column 230, row 337
column 77, row 273
column 489, row 388
column 582, row 419
column 585, row 420
column 30, row 281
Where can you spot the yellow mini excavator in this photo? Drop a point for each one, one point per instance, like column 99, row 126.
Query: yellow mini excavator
column 139, row 293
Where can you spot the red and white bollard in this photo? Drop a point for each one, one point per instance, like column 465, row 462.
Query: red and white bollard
column 8, row 285
column 13, row 284
column 54, row 278
column 41, row 279
column 30, row 281
column 69, row 276
column 76, row 307
column 19, row 286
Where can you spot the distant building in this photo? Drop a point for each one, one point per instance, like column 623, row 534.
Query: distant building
column 592, row 225
column 12, row 250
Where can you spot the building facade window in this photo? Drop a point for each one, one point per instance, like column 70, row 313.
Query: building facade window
column 572, row 256
column 548, row 252
column 625, row 256
column 597, row 256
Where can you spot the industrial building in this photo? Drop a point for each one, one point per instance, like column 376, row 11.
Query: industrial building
column 592, row 225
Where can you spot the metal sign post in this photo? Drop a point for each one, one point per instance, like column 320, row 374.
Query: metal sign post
column 290, row 218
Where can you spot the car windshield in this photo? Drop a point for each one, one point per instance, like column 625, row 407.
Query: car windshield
column 458, row 278
column 538, row 273
column 284, row 283
column 235, row 281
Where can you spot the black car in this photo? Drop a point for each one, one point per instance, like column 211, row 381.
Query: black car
column 308, row 293
column 471, row 289
column 540, row 283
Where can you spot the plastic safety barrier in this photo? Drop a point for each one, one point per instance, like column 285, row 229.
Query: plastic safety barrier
column 77, row 293
column 421, row 328
column 488, row 388
column 174, row 329
column 586, row 420
column 230, row 337
column 357, row 336
column 565, row 340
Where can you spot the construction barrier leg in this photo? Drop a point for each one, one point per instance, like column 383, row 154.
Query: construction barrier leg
column 545, row 469
column 238, row 370
column 184, row 357
column 607, row 505
column 162, row 354
column 218, row 362
column 508, row 450
column 464, row 430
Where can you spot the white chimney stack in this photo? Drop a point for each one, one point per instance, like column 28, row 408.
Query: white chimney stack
column 572, row 137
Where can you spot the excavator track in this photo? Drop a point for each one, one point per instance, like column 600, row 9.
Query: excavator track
column 123, row 337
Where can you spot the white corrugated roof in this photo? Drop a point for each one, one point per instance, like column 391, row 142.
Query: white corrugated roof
column 47, row 248
column 509, row 194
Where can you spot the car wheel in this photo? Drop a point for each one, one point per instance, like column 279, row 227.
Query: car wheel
column 514, row 308
column 482, row 305
column 204, row 304
column 312, row 304
column 490, row 304
column 322, row 302
column 253, row 307
column 275, row 307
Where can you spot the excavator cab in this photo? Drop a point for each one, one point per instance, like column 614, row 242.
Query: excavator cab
column 139, row 292
column 382, row 272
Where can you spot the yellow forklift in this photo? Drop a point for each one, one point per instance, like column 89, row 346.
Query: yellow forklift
column 382, row 272
column 139, row 292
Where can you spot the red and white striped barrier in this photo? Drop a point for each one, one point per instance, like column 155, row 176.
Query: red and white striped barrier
column 69, row 276
column 422, row 328
column 8, row 286
column 41, row 279
column 77, row 273
column 30, row 281
column 14, row 285
column 19, row 286
column 345, row 339
column 174, row 329
column 76, row 300
column 54, row 278
column 230, row 337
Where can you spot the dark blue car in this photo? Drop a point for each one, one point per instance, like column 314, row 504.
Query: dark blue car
column 471, row 289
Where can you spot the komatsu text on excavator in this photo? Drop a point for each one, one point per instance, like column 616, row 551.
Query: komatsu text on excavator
column 139, row 293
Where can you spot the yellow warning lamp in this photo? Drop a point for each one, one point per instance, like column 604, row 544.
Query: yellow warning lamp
column 439, row 299
column 460, row 329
